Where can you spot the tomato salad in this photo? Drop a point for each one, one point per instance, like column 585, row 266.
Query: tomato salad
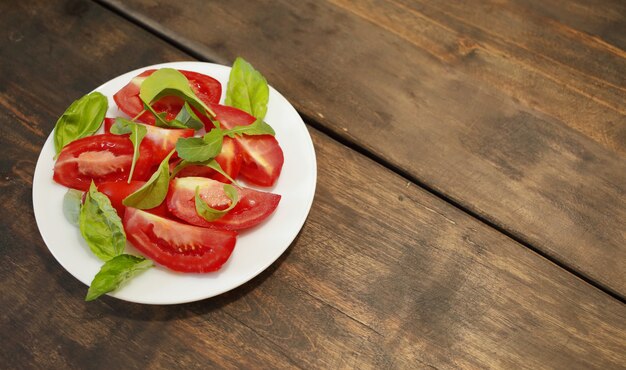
column 165, row 177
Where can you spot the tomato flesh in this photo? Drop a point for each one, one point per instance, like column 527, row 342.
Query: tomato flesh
column 178, row 246
column 262, row 156
column 161, row 140
column 117, row 191
column 253, row 207
column 229, row 159
column 101, row 158
column 206, row 88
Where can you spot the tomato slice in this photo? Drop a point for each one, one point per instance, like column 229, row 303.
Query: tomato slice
column 117, row 191
column 229, row 159
column 208, row 89
column 253, row 208
column 177, row 246
column 101, row 158
column 161, row 140
column 262, row 156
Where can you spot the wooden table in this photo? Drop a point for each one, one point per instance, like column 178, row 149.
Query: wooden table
column 471, row 198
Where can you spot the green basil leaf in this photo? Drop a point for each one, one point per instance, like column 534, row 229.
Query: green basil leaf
column 170, row 82
column 101, row 226
column 212, row 214
column 72, row 201
column 154, row 191
column 247, row 89
column 82, row 118
column 196, row 149
column 258, row 127
column 189, row 118
column 137, row 132
column 114, row 273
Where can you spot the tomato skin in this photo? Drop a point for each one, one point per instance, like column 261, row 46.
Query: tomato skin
column 101, row 158
column 229, row 159
column 253, row 208
column 161, row 140
column 208, row 89
column 262, row 156
column 178, row 246
column 117, row 191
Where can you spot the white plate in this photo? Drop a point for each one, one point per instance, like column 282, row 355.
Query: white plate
column 256, row 249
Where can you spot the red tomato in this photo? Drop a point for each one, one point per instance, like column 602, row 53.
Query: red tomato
column 253, row 207
column 208, row 89
column 229, row 159
column 117, row 191
column 178, row 246
column 101, row 158
column 262, row 156
column 161, row 140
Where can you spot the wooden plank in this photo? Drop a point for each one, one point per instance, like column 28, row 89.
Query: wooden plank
column 530, row 143
column 383, row 275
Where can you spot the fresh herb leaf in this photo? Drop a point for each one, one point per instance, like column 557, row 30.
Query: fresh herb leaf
column 170, row 82
column 154, row 191
column 137, row 133
column 258, row 127
column 72, row 201
column 196, row 149
column 212, row 214
column 115, row 272
column 247, row 89
column 189, row 118
column 101, row 226
column 82, row 118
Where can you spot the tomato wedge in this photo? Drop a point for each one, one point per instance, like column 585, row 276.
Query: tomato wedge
column 229, row 159
column 253, row 208
column 208, row 89
column 117, row 191
column 177, row 246
column 101, row 158
column 161, row 140
column 262, row 156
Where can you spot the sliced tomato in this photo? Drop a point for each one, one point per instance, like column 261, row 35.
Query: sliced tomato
column 262, row 156
column 254, row 206
column 117, row 191
column 229, row 159
column 161, row 140
column 101, row 158
column 208, row 89
column 178, row 246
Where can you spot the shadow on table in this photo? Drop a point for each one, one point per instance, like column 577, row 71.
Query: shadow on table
column 135, row 311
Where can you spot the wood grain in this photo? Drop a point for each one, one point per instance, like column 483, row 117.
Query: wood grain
column 510, row 113
column 383, row 275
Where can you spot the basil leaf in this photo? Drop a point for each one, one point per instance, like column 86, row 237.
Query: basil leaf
column 170, row 82
column 82, row 118
column 72, row 201
column 212, row 214
column 258, row 127
column 154, row 191
column 101, row 226
column 247, row 89
column 115, row 272
column 189, row 118
column 196, row 149
column 137, row 132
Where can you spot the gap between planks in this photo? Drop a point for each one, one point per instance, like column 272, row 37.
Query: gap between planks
column 351, row 144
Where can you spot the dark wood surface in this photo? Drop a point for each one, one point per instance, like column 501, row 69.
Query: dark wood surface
column 384, row 274
column 501, row 107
